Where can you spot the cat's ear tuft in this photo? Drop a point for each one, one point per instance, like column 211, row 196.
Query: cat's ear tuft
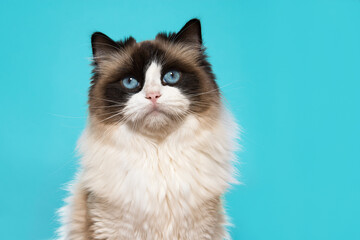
column 102, row 45
column 191, row 32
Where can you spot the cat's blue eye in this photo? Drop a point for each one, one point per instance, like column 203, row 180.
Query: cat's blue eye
column 171, row 77
column 130, row 83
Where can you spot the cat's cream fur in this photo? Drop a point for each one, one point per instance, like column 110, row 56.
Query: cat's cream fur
column 157, row 171
column 132, row 187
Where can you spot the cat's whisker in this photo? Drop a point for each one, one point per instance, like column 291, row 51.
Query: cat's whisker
column 107, row 100
column 211, row 91
column 107, row 113
column 112, row 116
column 64, row 116
column 104, row 107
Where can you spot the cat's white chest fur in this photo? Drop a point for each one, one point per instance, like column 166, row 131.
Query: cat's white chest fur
column 192, row 164
column 158, row 188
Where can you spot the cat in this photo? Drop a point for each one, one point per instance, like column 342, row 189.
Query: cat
column 158, row 151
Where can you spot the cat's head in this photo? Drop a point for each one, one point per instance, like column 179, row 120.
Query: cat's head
column 151, row 85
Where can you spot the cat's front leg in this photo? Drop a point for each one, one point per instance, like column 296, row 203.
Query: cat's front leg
column 74, row 217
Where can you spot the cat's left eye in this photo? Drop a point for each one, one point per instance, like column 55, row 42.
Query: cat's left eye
column 130, row 83
column 171, row 77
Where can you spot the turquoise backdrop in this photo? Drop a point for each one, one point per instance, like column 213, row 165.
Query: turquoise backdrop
column 289, row 69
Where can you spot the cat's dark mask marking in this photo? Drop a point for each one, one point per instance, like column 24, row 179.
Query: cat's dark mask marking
column 182, row 51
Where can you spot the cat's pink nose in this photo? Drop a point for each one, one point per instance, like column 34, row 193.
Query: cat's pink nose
column 153, row 96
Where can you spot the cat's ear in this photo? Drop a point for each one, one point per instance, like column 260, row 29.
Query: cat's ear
column 191, row 32
column 102, row 45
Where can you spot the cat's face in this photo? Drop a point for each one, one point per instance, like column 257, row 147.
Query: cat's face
column 152, row 84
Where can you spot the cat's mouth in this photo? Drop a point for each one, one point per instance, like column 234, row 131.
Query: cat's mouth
column 156, row 112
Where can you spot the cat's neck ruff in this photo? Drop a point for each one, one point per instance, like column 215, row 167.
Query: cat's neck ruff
column 192, row 165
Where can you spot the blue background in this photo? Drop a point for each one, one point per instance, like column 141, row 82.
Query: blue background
column 290, row 72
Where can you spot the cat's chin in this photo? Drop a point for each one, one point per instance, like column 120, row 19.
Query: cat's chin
column 156, row 119
column 157, row 123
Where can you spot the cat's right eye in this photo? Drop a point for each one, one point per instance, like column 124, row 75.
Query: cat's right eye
column 130, row 83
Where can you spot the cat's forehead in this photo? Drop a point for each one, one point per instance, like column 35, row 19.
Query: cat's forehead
column 163, row 52
column 146, row 52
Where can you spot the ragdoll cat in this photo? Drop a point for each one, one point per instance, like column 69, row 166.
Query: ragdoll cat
column 157, row 152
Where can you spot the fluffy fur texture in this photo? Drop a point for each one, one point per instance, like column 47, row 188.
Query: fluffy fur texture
column 152, row 168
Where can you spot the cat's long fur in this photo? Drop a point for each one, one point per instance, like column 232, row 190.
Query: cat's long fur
column 135, row 186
